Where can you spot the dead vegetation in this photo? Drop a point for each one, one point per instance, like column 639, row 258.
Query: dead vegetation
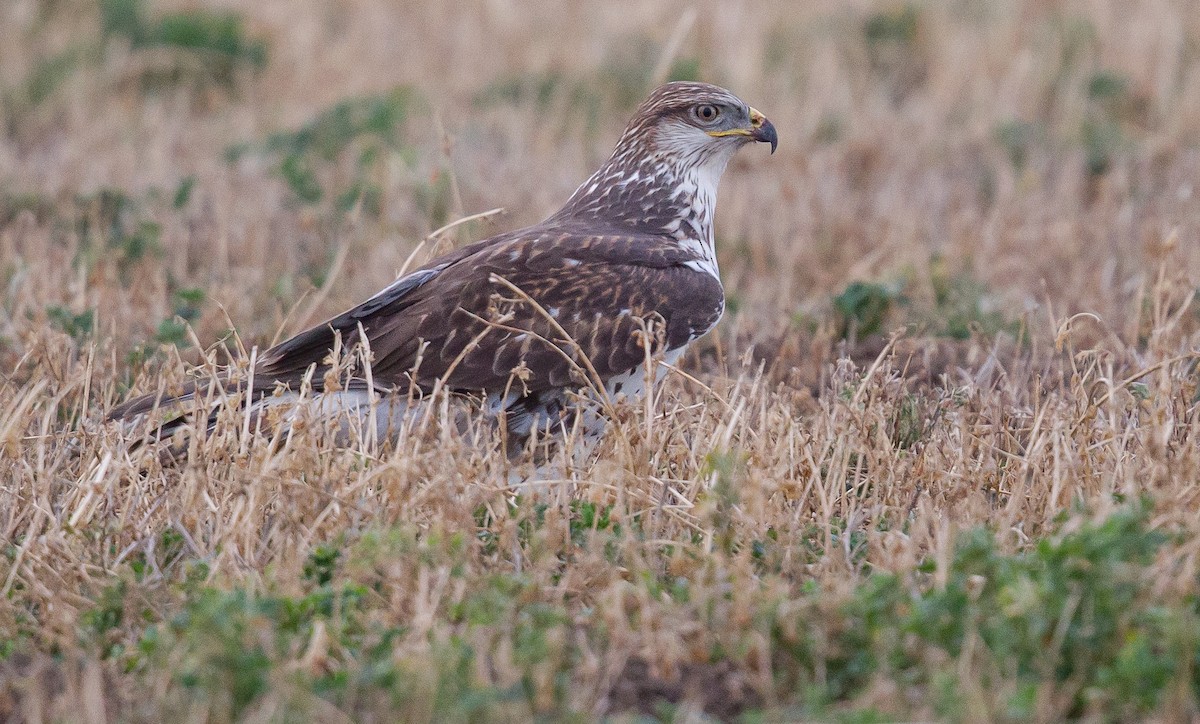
column 939, row 460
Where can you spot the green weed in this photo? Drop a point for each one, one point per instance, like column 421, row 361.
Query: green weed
column 77, row 325
column 863, row 308
column 1018, row 139
column 361, row 133
column 206, row 46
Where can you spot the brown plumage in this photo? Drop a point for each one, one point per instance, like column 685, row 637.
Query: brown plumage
column 631, row 247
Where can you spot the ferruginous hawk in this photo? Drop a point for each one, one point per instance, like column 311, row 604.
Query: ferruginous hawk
column 624, row 271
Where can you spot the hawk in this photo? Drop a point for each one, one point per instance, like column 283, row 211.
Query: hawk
column 624, row 272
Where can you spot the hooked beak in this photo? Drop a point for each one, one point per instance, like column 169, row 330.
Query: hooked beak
column 763, row 130
column 760, row 130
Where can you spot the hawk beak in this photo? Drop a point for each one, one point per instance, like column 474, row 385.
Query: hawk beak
column 763, row 130
column 760, row 130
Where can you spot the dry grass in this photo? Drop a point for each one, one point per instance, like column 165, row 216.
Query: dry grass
column 818, row 520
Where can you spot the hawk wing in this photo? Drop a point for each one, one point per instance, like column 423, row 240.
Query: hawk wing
column 457, row 320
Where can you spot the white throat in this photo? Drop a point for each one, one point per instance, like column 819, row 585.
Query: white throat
column 670, row 191
column 695, row 203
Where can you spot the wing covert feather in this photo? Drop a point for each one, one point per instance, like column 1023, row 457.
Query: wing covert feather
column 460, row 323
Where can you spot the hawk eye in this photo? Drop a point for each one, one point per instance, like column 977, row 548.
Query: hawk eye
column 706, row 113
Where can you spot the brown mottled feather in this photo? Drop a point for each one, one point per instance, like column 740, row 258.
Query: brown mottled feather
column 633, row 243
column 450, row 311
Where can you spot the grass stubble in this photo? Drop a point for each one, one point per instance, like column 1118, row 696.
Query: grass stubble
column 988, row 513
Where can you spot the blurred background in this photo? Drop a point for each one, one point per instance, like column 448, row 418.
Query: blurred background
column 966, row 168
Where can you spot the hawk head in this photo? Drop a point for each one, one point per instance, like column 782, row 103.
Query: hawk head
column 696, row 120
column 663, row 174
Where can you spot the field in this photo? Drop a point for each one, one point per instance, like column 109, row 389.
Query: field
column 939, row 461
